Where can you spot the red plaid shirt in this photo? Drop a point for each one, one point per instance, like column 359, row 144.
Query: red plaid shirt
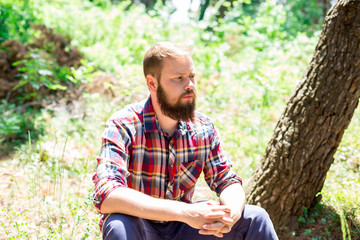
column 137, row 154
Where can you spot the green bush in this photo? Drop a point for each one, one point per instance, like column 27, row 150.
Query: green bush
column 15, row 124
column 304, row 16
column 11, row 125
column 40, row 70
column 16, row 17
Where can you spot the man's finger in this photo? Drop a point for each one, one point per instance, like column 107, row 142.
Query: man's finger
column 221, row 208
column 213, row 226
column 212, row 202
column 213, row 215
column 225, row 229
column 220, row 218
column 210, row 232
column 227, row 220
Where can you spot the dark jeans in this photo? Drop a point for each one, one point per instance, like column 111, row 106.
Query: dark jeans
column 254, row 224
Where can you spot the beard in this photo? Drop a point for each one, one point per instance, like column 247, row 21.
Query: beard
column 177, row 111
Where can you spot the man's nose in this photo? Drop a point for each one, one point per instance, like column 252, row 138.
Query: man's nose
column 190, row 83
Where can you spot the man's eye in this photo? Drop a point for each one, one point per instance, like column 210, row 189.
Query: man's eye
column 179, row 78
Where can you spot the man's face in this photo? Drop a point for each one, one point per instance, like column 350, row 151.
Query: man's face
column 176, row 93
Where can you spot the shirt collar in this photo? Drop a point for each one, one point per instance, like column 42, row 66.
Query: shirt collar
column 151, row 123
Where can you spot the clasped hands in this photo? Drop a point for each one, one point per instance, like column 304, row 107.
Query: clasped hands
column 211, row 218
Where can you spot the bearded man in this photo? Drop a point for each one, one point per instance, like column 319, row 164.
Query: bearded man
column 152, row 154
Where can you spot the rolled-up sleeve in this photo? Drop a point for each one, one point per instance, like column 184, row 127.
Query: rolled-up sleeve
column 112, row 169
column 218, row 170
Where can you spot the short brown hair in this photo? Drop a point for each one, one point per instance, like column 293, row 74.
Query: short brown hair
column 152, row 62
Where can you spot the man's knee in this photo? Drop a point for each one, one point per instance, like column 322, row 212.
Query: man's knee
column 121, row 226
column 257, row 213
column 260, row 223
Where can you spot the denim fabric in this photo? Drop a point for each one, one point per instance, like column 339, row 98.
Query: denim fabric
column 255, row 224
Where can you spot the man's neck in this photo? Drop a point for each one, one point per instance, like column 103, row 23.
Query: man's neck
column 167, row 124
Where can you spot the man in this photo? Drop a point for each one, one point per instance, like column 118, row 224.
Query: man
column 152, row 154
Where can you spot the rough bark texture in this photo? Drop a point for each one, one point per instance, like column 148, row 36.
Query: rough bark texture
column 293, row 169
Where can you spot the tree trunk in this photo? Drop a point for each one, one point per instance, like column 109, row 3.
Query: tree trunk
column 203, row 6
column 293, row 169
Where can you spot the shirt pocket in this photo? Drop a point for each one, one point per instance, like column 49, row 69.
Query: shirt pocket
column 189, row 172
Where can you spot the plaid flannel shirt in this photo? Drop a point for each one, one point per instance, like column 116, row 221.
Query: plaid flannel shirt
column 137, row 154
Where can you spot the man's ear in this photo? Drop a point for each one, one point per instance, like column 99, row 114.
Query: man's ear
column 151, row 82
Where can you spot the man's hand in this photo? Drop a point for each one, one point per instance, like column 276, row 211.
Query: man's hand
column 220, row 227
column 232, row 197
column 209, row 214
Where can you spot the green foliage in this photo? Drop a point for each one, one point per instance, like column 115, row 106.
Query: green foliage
column 15, row 122
column 16, row 17
column 303, row 16
column 344, row 227
column 312, row 219
column 16, row 221
column 109, row 36
column 82, row 74
column 268, row 21
column 40, row 70
column 307, row 217
column 10, row 125
column 342, row 188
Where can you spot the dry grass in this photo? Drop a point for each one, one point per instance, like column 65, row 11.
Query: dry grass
column 47, row 197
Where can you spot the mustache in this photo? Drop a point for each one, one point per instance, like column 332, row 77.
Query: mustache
column 188, row 91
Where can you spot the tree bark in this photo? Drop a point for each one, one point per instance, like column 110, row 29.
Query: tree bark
column 293, row 169
column 203, row 6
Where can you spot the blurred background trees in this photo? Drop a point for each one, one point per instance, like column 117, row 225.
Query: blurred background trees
column 302, row 15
